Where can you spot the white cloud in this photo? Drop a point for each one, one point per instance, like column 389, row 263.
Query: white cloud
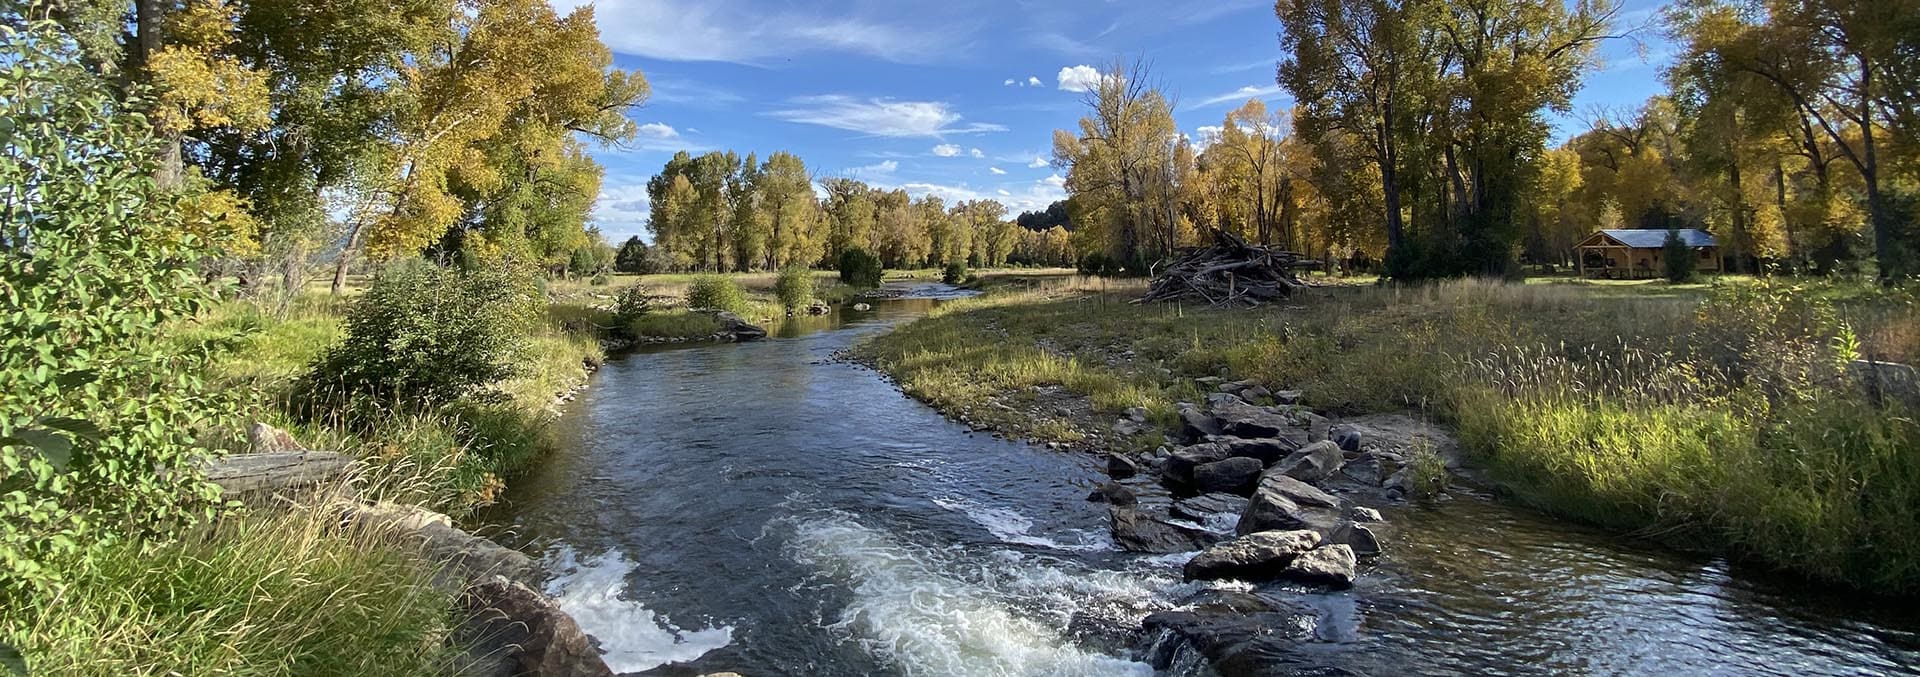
column 1079, row 78
column 1240, row 95
column 1004, row 193
column 882, row 168
column 728, row 30
column 1055, row 180
column 621, row 210
column 976, row 154
column 1033, row 81
column 946, row 150
column 658, row 130
column 1038, row 162
column 1008, row 83
column 881, row 117
column 997, row 171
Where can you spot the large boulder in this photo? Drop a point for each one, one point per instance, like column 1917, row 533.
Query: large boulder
column 511, row 629
column 1236, row 475
column 1206, row 506
column 1359, row 537
column 1136, row 531
column 1283, row 503
column 1120, row 467
column 1240, row 419
column 1257, row 555
column 1267, row 450
column 1181, row 463
column 1365, row 469
column 1330, row 565
column 1235, row 633
column 1196, row 425
column 1312, row 463
column 732, row 328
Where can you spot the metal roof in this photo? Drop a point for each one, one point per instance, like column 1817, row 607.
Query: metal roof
column 1653, row 238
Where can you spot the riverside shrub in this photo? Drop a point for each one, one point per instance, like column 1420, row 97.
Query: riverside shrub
column 955, row 273
column 423, row 335
column 794, row 288
column 859, row 268
column 717, row 292
column 99, row 414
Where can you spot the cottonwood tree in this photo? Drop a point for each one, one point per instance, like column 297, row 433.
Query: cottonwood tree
column 1120, row 167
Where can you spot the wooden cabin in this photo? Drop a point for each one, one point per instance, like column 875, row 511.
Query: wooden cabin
column 1640, row 253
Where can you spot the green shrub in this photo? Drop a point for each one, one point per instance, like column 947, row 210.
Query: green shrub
column 1679, row 259
column 102, row 421
column 794, row 288
column 632, row 302
column 717, row 292
column 955, row 273
column 424, row 335
column 859, row 268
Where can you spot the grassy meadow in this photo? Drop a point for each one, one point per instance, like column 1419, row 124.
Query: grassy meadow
column 1723, row 414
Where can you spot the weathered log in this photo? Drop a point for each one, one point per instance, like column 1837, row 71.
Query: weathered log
column 247, row 475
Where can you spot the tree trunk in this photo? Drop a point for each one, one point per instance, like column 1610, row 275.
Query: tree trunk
column 1885, row 248
column 1738, row 203
column 149, row 15
column 346, row 257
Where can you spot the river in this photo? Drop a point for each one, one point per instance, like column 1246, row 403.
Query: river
column 765, row 509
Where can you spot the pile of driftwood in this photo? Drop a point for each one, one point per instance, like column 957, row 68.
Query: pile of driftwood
column 1230, row 272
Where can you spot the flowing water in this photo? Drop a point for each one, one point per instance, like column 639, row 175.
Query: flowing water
column 762, row 508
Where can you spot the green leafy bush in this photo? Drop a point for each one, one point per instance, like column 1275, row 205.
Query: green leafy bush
column 716, row 292
column 99, row 415
column 424, row 335
column 859, row 268
column 1678, row 258
column 794, row 288
column 632, row 303
column 955, row 273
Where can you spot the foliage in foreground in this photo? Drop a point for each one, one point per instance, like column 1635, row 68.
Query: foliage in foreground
column 98, row 419
column 251, row 595
column 1730, row 421
column 424, row 335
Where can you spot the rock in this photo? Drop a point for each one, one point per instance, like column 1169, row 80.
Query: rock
column 1286, row 396
column 1114, row 494
column 266, row 439
column 1262, row 554
column 1234, row 633
column 1137, row 414
column 1196, row 425
column 1208, row 380
column 1358, row 537
column 511, row 625
column 1182, row 461
column 862, row 307
column 1137, row 532
column 1365, row 470
column 1282, row 503
column 1240, row 419
column 1127, row 427
column 1120, row 467
column 1400, row 483
column 1206, row 506
column 1255, row 393
column 1236, row 475
column 1312, row 463
column 1348, row 440
column 1317, row 427
column 818, row 308
column 1330, row 565
column 1266, row 450
column 732, row 328
column 1365, row 514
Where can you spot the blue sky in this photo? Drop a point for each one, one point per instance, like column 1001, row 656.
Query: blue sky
column 956, row 98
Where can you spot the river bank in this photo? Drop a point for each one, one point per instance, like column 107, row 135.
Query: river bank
column 863, row 532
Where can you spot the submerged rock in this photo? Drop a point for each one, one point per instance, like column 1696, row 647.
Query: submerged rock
column 1330, row 565
column 1236, row 475
column 1135, row 531
column 1235, row 633
column 1257, row 555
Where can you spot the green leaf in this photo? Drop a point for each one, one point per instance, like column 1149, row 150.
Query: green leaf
column 55, row 447
column 81, row 427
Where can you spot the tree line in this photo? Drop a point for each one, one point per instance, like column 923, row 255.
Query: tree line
column 721, row 212
column 1419, row 142
column 317, row 131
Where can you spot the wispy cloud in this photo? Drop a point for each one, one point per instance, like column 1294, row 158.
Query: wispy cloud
column 946, row 150
column 881, row 117
column 732, row 31
column 1239, row 95
column 997, row 171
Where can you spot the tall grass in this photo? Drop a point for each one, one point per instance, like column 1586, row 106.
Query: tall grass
column 259, row 595
column 1723, row 416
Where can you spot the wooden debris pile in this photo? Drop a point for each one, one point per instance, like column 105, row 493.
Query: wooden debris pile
column 1230, row 272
